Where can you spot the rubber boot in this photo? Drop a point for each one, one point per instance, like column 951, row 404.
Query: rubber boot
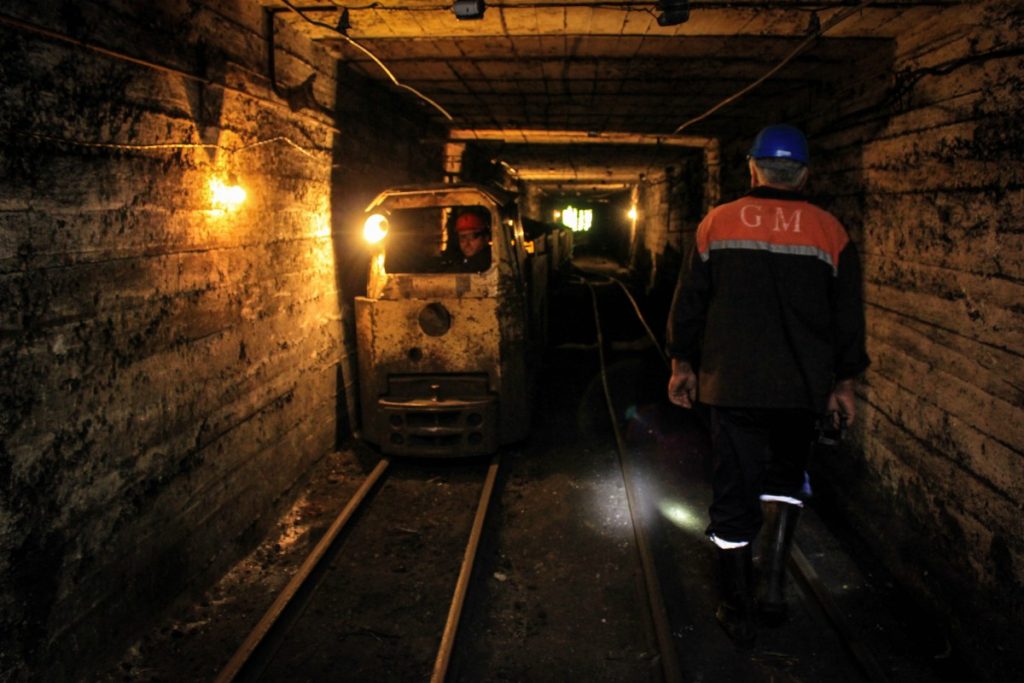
column 736, row 610
column 779, row 523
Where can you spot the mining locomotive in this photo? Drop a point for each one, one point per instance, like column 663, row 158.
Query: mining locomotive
column 447, row 343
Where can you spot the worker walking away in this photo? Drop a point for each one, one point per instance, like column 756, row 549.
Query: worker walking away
column 766, row 328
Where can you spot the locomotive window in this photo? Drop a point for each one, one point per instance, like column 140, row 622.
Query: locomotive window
column 415, row 240
column 426, row 240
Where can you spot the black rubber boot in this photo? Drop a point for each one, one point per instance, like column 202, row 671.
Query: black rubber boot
column 736, row 610
column 779, row 523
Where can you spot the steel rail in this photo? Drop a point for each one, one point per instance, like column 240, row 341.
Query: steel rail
column 256, row 637
column 465, row 573
column 804, row 572
column 656, row 600
column 801, row 567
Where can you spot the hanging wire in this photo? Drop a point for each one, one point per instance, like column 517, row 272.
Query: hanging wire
column 643, row 321
column 279, row 138
column 828, row 25
column 373, row 57
column 607, row 280
column 163, row 68
column 177, row 145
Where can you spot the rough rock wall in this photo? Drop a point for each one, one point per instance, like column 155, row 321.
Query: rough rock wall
column 169, row 368
column 669, row 207
column 926, row 165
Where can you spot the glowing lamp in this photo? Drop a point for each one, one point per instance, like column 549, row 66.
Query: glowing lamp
column 375, row 228
column 228, row 196
column 577, row 220
column 632, row 213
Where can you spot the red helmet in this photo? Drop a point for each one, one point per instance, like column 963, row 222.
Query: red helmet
column 470, row 222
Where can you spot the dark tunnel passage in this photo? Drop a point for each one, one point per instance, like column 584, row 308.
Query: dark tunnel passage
column 182, row 259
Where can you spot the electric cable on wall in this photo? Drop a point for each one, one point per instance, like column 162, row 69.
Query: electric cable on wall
column 817, row 33
column 163, row 68
column 373, row 57
column 161, row 146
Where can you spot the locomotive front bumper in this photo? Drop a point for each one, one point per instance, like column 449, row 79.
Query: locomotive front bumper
column 443, row 416
column 438, row 427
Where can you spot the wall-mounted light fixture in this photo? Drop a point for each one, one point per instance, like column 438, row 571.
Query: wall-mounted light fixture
column 469, row 9
column 673, row 12
column 632, row 214
column 227, row 195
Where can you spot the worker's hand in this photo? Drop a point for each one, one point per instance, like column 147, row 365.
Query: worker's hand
column 842, row 403
column 682, row 385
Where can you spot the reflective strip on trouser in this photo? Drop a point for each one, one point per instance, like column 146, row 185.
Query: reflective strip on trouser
column 788, row 500
column 727, row 545
column 757, row 452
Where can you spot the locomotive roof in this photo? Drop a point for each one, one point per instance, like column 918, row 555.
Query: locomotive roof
column 494, row 194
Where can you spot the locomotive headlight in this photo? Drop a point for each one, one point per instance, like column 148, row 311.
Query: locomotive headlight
column 375, row 228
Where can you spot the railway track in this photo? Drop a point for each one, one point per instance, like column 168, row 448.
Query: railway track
column 259, row 648
column 800, row 568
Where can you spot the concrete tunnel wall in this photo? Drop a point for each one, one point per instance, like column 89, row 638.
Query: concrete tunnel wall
column 921, row 154
column 170, row 369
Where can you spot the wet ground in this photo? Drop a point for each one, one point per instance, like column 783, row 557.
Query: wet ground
column 558, row 593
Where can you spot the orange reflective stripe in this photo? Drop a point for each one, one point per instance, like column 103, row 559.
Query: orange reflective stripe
column 781, row 227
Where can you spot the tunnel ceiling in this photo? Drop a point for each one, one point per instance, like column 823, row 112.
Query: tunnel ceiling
column 530, row 69
column 596, row 168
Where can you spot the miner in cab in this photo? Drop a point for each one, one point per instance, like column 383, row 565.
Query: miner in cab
column 473, row 228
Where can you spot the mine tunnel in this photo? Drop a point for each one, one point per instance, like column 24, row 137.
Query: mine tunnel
column 182, row 257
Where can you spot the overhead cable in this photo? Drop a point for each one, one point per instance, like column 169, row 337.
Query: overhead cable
column 163, row 146
column 817, row 33
column 373, row 57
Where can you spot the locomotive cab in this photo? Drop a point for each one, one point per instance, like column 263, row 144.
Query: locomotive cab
column 443, row 335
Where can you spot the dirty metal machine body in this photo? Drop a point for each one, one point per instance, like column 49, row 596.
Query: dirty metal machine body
column 445, row 357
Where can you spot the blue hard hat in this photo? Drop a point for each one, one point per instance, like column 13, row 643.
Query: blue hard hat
column 781, row 142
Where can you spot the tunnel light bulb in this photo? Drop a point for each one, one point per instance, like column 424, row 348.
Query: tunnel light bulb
column 228, row 196
column 577, row 220
column 673, row 12
column 375, row 228
column 469, row 9
column 632, row 213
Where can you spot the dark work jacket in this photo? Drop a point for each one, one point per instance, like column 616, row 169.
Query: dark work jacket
column 770, row 312
column 477, row 263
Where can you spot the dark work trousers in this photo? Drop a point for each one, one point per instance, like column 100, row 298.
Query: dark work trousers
column 757, row 451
